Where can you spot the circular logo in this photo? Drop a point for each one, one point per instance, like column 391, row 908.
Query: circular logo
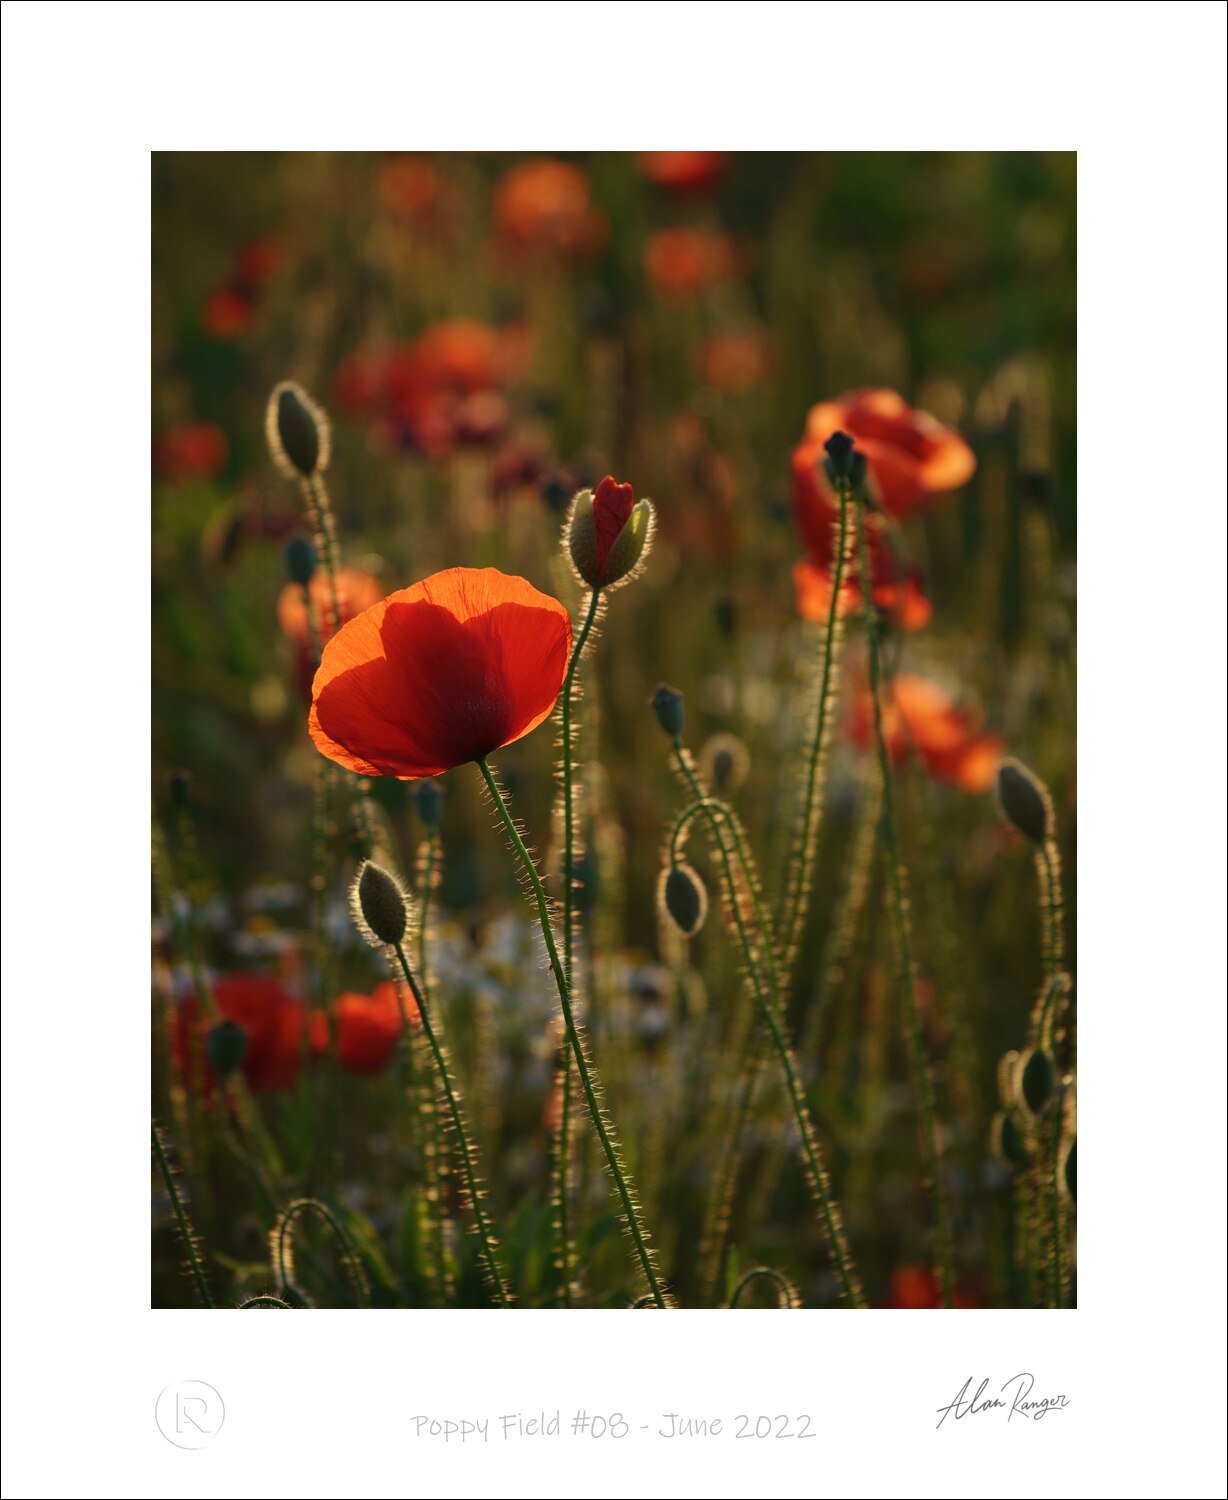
column 189, row 1413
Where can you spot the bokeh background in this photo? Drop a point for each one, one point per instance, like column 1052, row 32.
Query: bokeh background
column 488, row 333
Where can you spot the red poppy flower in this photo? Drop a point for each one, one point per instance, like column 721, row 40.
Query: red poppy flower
column 920, row 1287
column 920, row 719
column 901, row 597
column 272, row 1020
column 408, row 187
column 226, row 313
column 438, row 674
column 679, row 262
column 545, row 207
column 683, row 171
column 256, row 264
column 368, row 1028
column 737, row 359
column 356, row 590
column 912, row 459
column 191, row 450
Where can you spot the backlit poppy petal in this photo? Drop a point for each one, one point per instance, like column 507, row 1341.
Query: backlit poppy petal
column 438, row 674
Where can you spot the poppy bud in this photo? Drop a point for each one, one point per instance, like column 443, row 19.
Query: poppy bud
column 427, row 799
column 379, row 905
column 607, row 533
column 300, row 560
column 666, row 703
column 1068, row 1171
column 1008, row 1142
column 840, row 463
column 682, row 894
column 297, row 432
column 1025, row 802
column 725, row 762
column 1036, row 1080
column 225, row 1046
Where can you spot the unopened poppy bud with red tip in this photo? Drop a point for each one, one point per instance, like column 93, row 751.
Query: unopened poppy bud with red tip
column 608, row 533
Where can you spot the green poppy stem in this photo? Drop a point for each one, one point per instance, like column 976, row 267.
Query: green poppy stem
column 605, row 1133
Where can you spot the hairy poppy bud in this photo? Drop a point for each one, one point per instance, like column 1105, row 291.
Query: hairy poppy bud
column 427, row 799
column 1008, row 1141
column 379, row 905
column 682, row 894
column 725, row 762
column 608, row 533
column 300, row 560
column 1025, row 801
column 1068, row 1171
column 225, row 1046
column 666, row 703
column 841, row 461
column 297, row 432
column 1036, row 1080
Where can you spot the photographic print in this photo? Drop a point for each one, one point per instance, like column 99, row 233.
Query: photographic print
column 613, row 730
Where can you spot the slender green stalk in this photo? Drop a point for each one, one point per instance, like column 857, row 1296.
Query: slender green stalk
column 931, row 1158
column 601, row 1125
column 265, row 1300
column 434, row 1166
column 486, row 1237
column 284, row 1252
column 187, row 1235
column 562, row 1162
column 785, row 1290
column 801, row 862
column 320, row 513
column 769, row 1004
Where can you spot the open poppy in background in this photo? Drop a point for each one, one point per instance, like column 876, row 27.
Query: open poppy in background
column 438, row 674
column 368, row 1028
column 683, row 171
column 911, row 460
column 545, row 207
column 190, row 450
column 273, row 1022
column 919, row 718
column 356, row 590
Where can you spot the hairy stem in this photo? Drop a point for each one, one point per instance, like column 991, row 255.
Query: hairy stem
column 186, row 1234
column 486, row 1238
column 605, row 1133
column 906, row 963
column 562, row 1155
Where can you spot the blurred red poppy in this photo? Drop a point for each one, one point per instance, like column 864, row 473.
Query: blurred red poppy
column 919, row 718
column 545, row 207
column 900, row 595
column 920, row 1287
column 226, row 313
column 911, row 457
column 679, row 262
column 356, row 590
column 436, row 392
column 683, row 171
column 438, row 674
column 273, row 1023
column 368, row 1028
column 408, row 187
column 737, row 359
column 256, row 264
column 190, row 450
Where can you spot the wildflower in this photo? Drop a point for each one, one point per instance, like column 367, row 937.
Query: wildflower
column 666, row 704
column 736, row 359
column 910, row 459
column 356, row 590
column 682, row 896
column 608, row 533
column 190, row 450
column 379, row 905
column 1024, row 801
column 441, row 673
column 226, row 313
column 408, row 187
column 919, row 1287
column 683, row 172
column 919, row 718
column 544, row 207
column 367, row 1028
column 272, row 1020
column 680, row 262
